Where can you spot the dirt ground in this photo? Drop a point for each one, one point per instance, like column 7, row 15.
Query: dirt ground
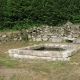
column 17, row 69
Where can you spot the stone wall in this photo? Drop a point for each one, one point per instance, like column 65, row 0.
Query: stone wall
column 54, row 34
column 5, row 37
column 44, row 33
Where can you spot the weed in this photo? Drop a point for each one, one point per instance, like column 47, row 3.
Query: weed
column 25, row 37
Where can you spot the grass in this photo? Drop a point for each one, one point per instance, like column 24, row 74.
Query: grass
column 17, row 69
column 8, row 30
column 8, row 63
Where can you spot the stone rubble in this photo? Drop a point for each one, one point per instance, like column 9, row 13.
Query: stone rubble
column 45, row 33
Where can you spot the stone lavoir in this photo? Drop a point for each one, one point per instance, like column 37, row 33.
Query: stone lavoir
column 48, row 51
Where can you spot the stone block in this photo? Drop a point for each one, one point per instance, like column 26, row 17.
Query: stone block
column 55, row 39
column 4, row 35
column 38, row 39
column 77, row 40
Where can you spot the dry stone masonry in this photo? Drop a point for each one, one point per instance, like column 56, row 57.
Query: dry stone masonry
column 4, row 37
column 45, row 33
column 55, row 34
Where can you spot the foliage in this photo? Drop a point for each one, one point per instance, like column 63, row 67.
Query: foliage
column 68, row 41
column 18, row 14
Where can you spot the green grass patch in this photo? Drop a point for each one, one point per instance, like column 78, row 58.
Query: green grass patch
column 8, row 30
column 9, row 63
column 2, row 78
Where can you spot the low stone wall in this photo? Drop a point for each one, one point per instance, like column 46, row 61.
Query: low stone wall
column 44, row 33
column 5, row 37
column 53, row 34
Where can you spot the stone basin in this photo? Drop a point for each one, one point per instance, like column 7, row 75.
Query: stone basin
column 44, row 51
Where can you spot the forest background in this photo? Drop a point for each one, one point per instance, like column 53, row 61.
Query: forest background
column 18, row 14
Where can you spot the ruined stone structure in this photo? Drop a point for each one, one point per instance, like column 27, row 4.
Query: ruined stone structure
column 54, row 34
column 45, row 33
